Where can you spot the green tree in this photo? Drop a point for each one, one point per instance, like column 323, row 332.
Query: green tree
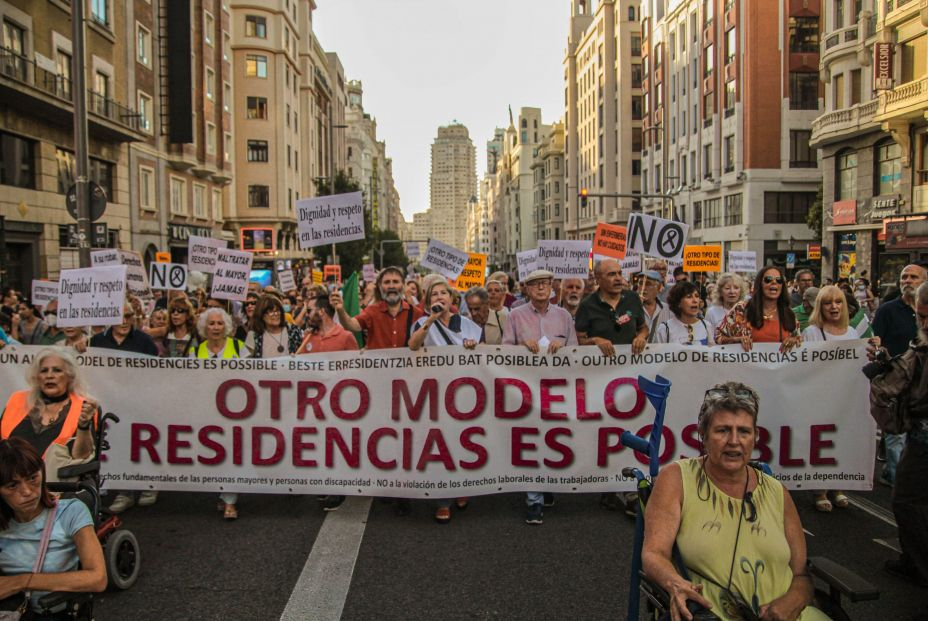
column 814, row 217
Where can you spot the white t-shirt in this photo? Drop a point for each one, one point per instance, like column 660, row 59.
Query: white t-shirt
column 675, row 331
column 813, row 334
column 460, row 328
column 715, row 315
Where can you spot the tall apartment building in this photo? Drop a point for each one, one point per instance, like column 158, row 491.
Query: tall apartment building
column 519, row 154
column 452, row 183
column 873, row 137
column 550, row 185
column 731, row 88
column 158, row 128
column 602, row 74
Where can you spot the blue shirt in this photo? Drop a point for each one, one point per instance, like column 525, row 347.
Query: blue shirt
column 19, row 543
column 4, row 337
column 895, row 324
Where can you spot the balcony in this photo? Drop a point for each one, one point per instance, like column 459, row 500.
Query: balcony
column 842, row 124
column 906, row 101
column 43, row 94
column 840, row 42
column 899, row 11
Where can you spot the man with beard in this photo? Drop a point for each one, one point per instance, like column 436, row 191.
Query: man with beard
column 572, row 295
column 804, row 279
column 324, row 333
column 894, row 323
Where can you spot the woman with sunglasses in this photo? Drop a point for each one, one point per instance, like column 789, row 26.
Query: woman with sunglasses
column 686, row 326
column 182, row 334
column 248, row 314
column 271, row 335
column 737, row 530
column 764, row 318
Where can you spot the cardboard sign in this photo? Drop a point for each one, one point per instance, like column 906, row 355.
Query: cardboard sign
column 565, row 259
column 92, row 296
column 702, row 258
column 444, row 259
column 473, row 273
column 285, row 280
column 163, row 257
column 527, row 261
column 171, row 276
column 412, row 250
column 610, row 240
column 202, row 253
column 631, row 264
column 657, row 237
column 136, row 276
column 43, row 292
column 230, row 280
column 330, row 219
column 332, row 272
column 368, row 272
column 317, row 277
column 742, row 261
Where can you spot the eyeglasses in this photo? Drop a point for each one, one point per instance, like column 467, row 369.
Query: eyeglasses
column 249, row 303
column 540, row 283
column 770, row 279
column 178, row 311
column 272, row 311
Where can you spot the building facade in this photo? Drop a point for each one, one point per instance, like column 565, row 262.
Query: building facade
column 550, row 185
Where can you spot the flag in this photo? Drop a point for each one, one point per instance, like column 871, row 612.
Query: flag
column 352, row 300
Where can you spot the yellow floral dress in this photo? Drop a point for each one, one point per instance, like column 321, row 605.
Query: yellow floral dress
column 706, row 539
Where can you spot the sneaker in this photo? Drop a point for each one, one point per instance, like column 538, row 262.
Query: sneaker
column 549, row 499
column 899, row 569
column 443, row 515
column 147, row 499
column 630, row 502
column 403, row 507
column 332, row 503
column 609, row 501
column 882, row 480
column 121, row 503
column 534, row 514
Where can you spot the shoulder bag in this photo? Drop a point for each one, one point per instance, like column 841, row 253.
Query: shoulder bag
column 23, row 606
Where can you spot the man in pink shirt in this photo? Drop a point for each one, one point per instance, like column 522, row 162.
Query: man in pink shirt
column 324, row 334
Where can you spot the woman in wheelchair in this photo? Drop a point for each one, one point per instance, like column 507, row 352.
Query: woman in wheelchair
column 54, row 415
column 73, row 559
column 740, row 542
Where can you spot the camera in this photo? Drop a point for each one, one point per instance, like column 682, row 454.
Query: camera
column 437, row 308
column 878, row 366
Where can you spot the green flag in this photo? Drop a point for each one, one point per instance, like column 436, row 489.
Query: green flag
column 352, row 299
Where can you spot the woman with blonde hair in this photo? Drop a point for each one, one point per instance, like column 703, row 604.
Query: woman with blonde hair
column 729, row 289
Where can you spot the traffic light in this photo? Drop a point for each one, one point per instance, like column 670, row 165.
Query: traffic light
column 584, row 196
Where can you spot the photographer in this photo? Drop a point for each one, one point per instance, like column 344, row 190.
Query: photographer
column 899, row 404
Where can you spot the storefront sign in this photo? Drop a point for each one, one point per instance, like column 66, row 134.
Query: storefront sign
column 845, row 212
column 907, row 234
column 257, row 239
column 882, row 66
column 883, row 207
column 180, row 233
column 847, row 254
column 814, row 252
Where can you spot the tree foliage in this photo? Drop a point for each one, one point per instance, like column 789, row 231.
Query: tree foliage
column 814, row 217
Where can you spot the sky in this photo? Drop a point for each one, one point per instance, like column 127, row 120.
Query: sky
column 426, row 63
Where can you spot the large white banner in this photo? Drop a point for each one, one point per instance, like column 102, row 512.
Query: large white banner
column 330, row 219
column 452, row 422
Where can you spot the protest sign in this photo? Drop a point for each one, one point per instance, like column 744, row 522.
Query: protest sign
column 565, row 259
column 450, row 422
column 136, row 276
column 742, row 261
column 473, row 273
column 285, row 280
column 702, row 258
column 412, row 250
column 230, row 280
column 660, row 238
column 369, row 272
column 609, row 240
column 171, row 276
column 444, row 259
column 91, row 296
column 631, row 264
column 202, row 253
column 43, row 292
column 163, row 257
column 527, row 261
column 330, row 219
column 332, row 273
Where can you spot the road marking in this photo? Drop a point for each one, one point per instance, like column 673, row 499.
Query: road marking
column 322, row 588
column 873, row 509
column 807, row 532
column 889, row 543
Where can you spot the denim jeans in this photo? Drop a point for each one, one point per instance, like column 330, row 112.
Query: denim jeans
column 534, row 498
column 894, row 445
column 230, row 498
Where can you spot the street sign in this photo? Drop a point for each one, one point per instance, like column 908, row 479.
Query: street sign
column 790, row 260
column 100, row 235
column 97, row 201
column 814, row 252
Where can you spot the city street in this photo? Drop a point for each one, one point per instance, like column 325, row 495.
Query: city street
column 486, row 564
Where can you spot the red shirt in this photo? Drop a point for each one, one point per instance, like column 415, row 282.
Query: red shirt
column 337, row 339
column 385, row 331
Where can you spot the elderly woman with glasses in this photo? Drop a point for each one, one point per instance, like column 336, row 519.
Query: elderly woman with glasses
column 765, row 318
column 685, row 326
column 737, row 530
column 271, row 334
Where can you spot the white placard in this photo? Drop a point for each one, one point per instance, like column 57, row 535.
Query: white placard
column 527, row 262
column 412, row 250
column 92, row 296
column 742, row 261
column 202, row 252
column 657, row 237
column 369, row 272
column 565, row 259
column 330, row 219
column 172, row 276
column 286, row 280
column 631, row 264
column 230, row 280
column 444, row 259
column 136, row 276
column 43, row 292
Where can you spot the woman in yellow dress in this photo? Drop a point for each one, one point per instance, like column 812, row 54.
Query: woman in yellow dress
column 736, row 528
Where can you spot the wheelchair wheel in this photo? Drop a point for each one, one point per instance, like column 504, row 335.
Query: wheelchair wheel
column 123, row 559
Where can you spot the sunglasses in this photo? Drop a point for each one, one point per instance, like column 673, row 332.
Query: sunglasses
column 770, row 279
column 178, row 311
column 128, row 315
column 721, row 393
column 249, row 303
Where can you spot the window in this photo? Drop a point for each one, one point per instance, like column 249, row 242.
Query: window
column 210, row 84
column 712, row 213
column 257, row 151
column 707, row 161
column 287, row 114
column 923, row 163
column 914, row 57
column 255, row 26
column 839, row 14
column 787, row 207
column 846, row 178
column 257, row 108
column 226, row 45
column 800, row 154
column 708, row 60
column 708, row 107
column 146, row 188
column 636, row 139
column 99, row 12
column 146, row 114
column 697, row 215
column 259, row 196
column 226, row 96
column 803, row 35
column 636, row 167
column 143, row 45
column 178, row 196
column 855, row 86
column 101, row 172
column 708, row 10
column 731, row 43
column 210, row 139
column 199, row 201
column 209, row 26
column 217, row 204
column 64, row 75
column 227, row 147
column 888, row 167
column 733, row 209
column 256, row 65
column 837, row 84
column 636, row 75
column 803, row 90
column 729, row 154
column 636, row 45
column 730, row 95
column 17, row 161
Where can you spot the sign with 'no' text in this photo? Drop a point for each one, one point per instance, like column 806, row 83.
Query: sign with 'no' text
column 657, row 237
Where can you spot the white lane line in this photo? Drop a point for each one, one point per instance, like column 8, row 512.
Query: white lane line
column 322, row 588
column 873, row 509
column 889, row 543
column 807, row 532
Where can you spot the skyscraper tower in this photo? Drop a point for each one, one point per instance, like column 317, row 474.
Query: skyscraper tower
column 453, row 182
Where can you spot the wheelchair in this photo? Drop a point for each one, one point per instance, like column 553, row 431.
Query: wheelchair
column 121, row 551
column 832, row 582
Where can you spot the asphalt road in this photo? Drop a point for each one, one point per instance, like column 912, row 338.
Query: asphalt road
column 485, row 564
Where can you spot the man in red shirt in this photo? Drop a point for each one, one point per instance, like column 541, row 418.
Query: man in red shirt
column 387, row 323
column 324, row 334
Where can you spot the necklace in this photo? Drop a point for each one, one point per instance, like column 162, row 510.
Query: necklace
column 280, row 345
